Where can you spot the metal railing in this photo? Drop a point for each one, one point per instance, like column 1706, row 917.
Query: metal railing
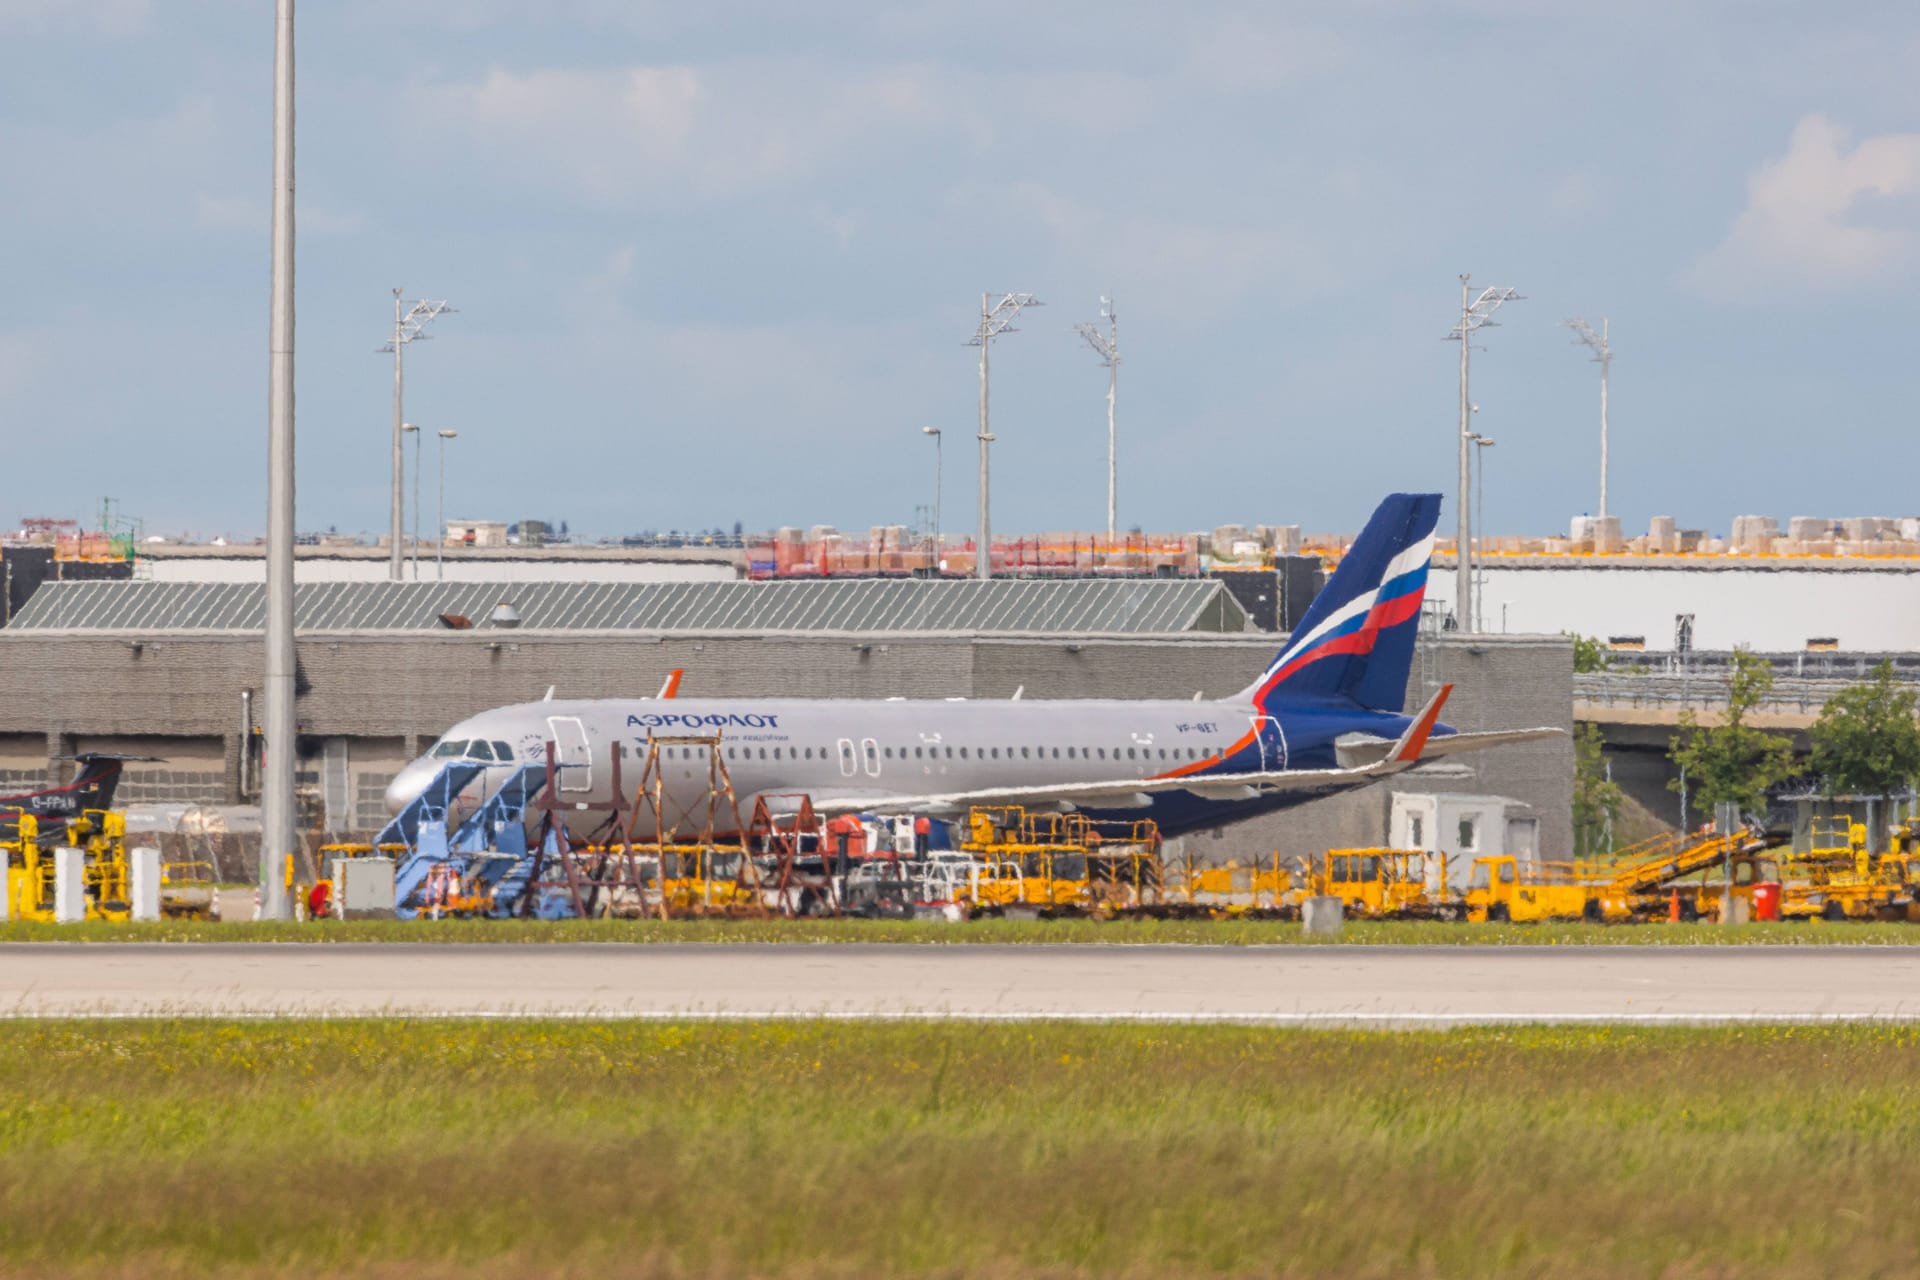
column 1701, row 691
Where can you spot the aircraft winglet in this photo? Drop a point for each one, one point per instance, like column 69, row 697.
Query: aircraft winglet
column 671, row 689
column 1414, row 740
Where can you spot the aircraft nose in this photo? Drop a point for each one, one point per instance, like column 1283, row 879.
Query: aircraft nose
column 409, row 783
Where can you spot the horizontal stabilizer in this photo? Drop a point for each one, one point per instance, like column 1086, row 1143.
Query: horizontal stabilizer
column 1357, row 750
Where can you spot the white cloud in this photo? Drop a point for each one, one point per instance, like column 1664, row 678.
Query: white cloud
column 654, row 134
column 1804, row 225
column 601, row 130
column 99, row 17
column 1577, row 192
column 1242, row 55
column 21, row 357
column 1201, row 265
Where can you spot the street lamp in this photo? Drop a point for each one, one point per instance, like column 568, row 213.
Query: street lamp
column 1475, row 313
column 1602, row 348
column 413, row 429
column 1480, row 446
column 1107, row 347
column 410, row 322
column 440, row 542
column 996, row 318
column 937, row 450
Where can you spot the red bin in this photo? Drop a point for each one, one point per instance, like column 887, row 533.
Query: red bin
column 1766, row 900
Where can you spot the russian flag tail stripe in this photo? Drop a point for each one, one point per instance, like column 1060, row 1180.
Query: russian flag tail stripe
column 1356, row 640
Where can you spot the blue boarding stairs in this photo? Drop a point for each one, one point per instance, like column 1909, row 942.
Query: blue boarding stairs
column 487, row 850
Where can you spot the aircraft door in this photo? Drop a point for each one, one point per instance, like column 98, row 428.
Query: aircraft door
column 870, row 749
column 1273, row 743
column 571, row 749
column 848, row 767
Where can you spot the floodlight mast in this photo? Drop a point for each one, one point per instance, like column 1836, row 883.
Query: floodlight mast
column 410, row 320
column 1603, row 356
column 1107, row 347
column 1475, row 313
column 278, row 837
column 996, row 318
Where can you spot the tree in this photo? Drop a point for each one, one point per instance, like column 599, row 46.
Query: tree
column 1867, row 739
column 1589, row 655
column 1732, row 762
column 1596, row 798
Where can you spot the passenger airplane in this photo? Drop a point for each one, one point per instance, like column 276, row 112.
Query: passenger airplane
column 1327, row 715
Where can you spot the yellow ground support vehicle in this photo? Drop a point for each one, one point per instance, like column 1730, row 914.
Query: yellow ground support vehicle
column 100, row 835
column 1057, row 860
column 1379, row 883
column 704, row 879
column 1636, row 883
column 1839, row 879
column 187, row 889
column 1811, row 890
column 1503, row 888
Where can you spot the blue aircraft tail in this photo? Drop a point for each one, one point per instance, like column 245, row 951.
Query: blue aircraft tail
column 1356, row 642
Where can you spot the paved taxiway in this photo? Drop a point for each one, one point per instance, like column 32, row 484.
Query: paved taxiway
column 1316, row 986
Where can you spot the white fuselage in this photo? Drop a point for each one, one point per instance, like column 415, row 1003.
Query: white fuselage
column 782, row 747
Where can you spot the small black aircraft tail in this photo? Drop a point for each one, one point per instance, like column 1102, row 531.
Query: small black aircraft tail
column 92, row 788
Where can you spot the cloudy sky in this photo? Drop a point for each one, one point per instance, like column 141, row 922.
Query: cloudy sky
column 718, row 262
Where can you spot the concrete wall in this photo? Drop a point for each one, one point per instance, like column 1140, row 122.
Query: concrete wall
column 178, row 695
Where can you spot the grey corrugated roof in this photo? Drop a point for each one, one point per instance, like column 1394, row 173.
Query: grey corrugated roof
column 1129, row 606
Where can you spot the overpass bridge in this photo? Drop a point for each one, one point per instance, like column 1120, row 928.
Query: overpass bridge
column 1638, row 704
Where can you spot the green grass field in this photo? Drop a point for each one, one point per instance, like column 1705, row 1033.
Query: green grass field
column 834, row 1149
column 935, row 933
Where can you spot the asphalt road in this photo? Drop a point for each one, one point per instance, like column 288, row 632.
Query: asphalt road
column 1393, row 986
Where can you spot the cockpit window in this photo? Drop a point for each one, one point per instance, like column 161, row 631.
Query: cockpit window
column 479, row 750
column 502, row 752
column 452, row 750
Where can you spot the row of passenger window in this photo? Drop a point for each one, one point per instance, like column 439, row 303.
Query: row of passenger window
column 961, row 753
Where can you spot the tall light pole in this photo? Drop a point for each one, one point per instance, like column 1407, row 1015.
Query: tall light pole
column 408, row 428
column 1603, row 356
column 996, row 318
column 1107, row 347
column 440, row 542
column 937, row 489
column 410, row 320
column 278, row 838
column 1475, row 313
column 1480, row 446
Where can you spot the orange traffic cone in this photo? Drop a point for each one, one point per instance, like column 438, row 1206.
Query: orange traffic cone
column 1673, row 907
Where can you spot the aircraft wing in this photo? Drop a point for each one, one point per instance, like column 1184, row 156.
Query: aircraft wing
column 1128, row 793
